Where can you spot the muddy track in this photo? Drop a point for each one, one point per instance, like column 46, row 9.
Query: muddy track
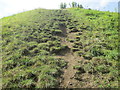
column 69, row 72
column 68, row 80
column 68, row 77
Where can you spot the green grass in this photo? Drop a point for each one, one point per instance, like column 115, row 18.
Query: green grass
column 32, row 39
column 27, row 47
column 99, row 40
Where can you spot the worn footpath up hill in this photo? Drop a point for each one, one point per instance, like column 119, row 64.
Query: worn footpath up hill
column 71, row 48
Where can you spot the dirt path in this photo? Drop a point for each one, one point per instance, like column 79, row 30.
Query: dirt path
column 69, row 72
column 68, row 75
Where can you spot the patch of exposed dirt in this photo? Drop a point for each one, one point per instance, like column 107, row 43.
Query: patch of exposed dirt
column 68, row 80
column 63, row 28
column 69, row 73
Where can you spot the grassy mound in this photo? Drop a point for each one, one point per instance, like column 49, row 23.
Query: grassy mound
column 97, row 42
column 29, row 45
column 31, row 41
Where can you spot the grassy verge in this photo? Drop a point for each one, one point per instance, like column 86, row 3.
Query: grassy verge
column 97, row 42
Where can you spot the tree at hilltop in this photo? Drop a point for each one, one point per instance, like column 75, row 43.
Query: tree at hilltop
column 63, row 5
column 75, row 5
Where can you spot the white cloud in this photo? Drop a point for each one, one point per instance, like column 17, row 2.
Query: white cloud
column 103, row 3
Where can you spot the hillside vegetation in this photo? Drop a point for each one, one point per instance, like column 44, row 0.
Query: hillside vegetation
column 38, row 48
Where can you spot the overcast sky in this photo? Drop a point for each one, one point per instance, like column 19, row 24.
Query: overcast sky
column 9, row 7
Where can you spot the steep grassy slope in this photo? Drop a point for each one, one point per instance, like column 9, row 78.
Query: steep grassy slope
column 38, row 44
column 30, row 40
column 97, row 42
